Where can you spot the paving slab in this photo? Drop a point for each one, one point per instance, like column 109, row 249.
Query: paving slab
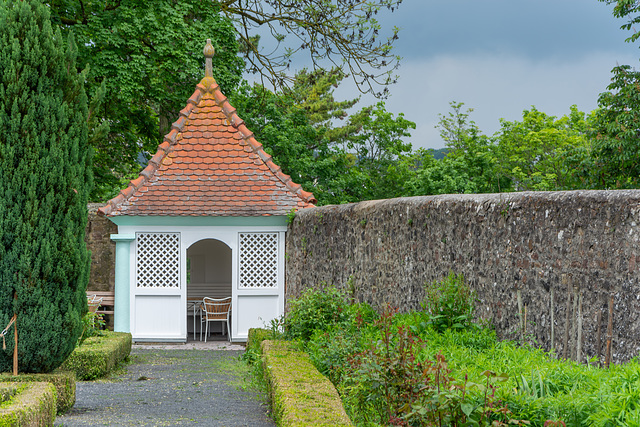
column 166, row 385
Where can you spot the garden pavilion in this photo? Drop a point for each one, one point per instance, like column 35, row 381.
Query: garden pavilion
column 206, row 217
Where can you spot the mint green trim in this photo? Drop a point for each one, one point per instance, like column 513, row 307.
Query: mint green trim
column 123, row 237
column 121, row 303
column 172, row 221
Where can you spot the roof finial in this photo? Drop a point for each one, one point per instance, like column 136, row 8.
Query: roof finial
column 209, row 51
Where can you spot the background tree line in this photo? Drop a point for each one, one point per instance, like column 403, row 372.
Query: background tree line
column 143, row 60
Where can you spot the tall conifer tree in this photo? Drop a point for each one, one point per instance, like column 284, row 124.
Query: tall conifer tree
column 44, row 182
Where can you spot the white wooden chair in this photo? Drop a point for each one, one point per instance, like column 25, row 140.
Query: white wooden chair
column 216, row 310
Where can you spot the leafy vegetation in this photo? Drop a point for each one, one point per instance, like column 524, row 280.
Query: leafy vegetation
column 144, row 60
column 449, row 303
column 340, row 157
column 406, row 369
column 314, row 310
column 64, row 383
column 92, row 324
column 300, row 395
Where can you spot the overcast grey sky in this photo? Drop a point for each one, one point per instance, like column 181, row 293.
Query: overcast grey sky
column 501, row 57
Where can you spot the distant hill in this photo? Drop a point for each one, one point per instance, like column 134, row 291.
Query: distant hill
column 439, row 153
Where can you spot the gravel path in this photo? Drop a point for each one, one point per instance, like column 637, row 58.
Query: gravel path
column 162, row 387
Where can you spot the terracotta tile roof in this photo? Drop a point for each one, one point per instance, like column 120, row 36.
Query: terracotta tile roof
column 210, row 164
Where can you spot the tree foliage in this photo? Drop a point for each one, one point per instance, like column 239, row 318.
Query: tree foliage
column 148, row 56
column 538, row 153
column 45, row 176
column 339, row 157
column 379, row 148
column 343, row 33
column 296, row 126
column 616, row 130
column 542, row 152
column 470, row 165
column 627, row 9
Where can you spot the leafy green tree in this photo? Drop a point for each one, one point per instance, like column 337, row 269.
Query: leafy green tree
column 340, row 158
column 616, row 145
column 470, row 165
column 616, row 149
column 379, row 148
column 627, row 9
column 296, row 126
column 455, row 127
column 542, row 152
column 45, row 176
column 147, row 57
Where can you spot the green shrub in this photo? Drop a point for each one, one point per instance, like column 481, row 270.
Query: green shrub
column 63, row 382
column 449, row 303
column 30, row 404
column 315, row 309
column 98, row 355
column 331, row 348
column 379, row 367
column 252, row 350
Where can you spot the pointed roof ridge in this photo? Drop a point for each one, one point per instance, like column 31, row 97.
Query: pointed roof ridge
column 206, row 85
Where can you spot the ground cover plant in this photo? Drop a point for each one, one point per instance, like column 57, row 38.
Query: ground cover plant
column 409, row 369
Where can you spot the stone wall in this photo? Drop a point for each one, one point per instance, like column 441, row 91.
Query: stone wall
column 103, row 250
column 567, row 262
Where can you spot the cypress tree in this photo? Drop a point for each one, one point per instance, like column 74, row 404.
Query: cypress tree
column 44, row 183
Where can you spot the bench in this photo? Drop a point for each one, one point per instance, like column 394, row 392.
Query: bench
column 106, row 305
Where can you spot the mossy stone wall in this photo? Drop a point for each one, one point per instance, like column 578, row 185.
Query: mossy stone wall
column 553, row 267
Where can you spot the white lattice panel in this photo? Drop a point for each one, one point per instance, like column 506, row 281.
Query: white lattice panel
column 258, row 260
column 158, row 264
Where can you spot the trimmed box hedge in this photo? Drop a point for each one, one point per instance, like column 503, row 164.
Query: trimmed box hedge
column 98, row 355
column 255, row 338
column 63, row 382
column 300, row 394
column 27, row 404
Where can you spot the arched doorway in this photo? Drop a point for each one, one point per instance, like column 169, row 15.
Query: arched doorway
column 209, row 274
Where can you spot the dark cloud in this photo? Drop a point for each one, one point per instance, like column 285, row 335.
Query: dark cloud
column 537, row 29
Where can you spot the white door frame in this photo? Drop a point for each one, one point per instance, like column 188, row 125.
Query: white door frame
column 250, row 307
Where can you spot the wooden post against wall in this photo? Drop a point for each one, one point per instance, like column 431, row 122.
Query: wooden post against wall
column 15, row 347
column 607, row 359
column 599, row 335
column 574, row 326
column 553, row 330
column 520, row 313
column 579, row 338
column 565, row 349
column 15, row 339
